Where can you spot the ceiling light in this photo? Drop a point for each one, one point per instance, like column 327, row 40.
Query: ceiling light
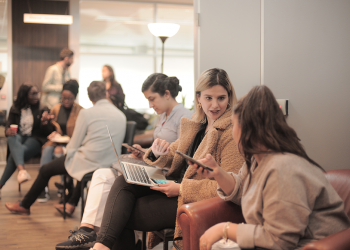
column 48, row 19
column 163, row 29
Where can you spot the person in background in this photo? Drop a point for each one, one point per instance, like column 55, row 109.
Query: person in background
column 88, row 149
column 114, row 88
column 64, row 117
column 133, row 207
column 161, row 91
column 55, row 76
column 286, row 199
column 116, row 95
column 31, row 119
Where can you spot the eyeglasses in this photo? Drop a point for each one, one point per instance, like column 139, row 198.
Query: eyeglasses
column 67, row 98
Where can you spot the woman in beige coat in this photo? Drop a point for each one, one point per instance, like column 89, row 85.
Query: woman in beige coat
column 131, row 207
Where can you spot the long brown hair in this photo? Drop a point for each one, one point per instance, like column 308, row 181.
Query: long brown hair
column 112, row 77
column 263, row 124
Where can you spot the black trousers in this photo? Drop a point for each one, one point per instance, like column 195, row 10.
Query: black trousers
column 132, row 207
column 54, row 167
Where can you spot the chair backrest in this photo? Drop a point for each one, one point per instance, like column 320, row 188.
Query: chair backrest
column 340, row 180
column 3, row 117
column 129, row 135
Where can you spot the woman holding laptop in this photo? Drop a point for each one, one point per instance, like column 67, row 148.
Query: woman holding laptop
column 161, row 91
column 132, row 207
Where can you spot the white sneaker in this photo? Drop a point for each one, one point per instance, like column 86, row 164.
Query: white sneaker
column 23, row 176
column 44, row 196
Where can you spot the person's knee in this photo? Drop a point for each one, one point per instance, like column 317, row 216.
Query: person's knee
column 12, row 139
column 102, row 176
column 58, row 151
column 45, row 170
column 120, row 184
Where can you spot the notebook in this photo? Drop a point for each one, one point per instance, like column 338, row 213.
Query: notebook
column 139, row 174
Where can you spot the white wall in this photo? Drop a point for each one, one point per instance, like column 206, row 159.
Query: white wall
column 235, row 25
column 305, row 52
column 307, row 60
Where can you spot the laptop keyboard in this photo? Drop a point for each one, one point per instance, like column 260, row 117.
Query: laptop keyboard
column 138, row 174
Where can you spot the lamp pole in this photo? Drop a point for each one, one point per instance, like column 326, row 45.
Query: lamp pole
column 163, row 38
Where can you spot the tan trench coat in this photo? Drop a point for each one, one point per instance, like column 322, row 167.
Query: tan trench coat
column 218, row 142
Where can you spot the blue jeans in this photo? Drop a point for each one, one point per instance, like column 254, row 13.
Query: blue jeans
column 47, row 155
column 22, row 148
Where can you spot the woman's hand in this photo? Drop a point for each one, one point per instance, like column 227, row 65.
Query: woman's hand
column 52, row 135
column 160, row 147
column 136, row 154
column 10, row 132
column 215, row 233
column 171, row 189
column 225, row 180
column 210, row 162
column 46, row 117
column 211, row 236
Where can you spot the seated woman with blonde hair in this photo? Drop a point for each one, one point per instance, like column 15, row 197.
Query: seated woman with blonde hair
column 286, row 199
column 132, row 207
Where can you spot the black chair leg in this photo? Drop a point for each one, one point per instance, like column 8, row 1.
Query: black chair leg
column 144, row 236
column 82, row 200
column 19, row 187
column 64, row 197
column 166, row 243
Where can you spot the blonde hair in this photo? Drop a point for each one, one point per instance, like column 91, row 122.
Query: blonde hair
column 208, row 79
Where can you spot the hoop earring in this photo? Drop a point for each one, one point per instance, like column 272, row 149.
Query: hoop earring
column 199, row 105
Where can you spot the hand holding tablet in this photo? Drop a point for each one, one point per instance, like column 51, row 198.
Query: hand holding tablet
column 132, row 148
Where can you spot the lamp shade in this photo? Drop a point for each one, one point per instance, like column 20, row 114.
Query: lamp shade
column 163, row 29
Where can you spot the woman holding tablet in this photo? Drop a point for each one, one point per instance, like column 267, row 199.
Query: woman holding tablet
column 131, row 207
column 286, row 199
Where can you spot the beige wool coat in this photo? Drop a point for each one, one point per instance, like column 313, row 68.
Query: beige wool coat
column 218, row 142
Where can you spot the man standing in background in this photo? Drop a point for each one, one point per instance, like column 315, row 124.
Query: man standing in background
column 55, row 76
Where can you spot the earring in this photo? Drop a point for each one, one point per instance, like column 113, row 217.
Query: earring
column 199, row 105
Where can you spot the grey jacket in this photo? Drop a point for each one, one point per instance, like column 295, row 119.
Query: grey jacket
column 90, row 147
column 52, row 85
column 287, row 202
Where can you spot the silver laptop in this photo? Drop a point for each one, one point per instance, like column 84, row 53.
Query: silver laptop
column 138, row 174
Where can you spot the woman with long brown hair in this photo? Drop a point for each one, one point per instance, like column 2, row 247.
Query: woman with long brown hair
column 114, row 88
column 286, row 199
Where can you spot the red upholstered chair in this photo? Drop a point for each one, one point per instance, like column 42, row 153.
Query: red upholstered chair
column 196, row 218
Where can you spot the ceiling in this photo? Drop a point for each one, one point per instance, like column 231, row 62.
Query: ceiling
column 124, row 25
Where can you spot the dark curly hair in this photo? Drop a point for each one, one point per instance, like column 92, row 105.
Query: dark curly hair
column 159, row 83
column 22, row 96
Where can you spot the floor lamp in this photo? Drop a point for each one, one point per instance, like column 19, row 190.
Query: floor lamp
column 163, row 31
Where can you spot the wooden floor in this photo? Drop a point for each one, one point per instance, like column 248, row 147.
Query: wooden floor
column 44, row 228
